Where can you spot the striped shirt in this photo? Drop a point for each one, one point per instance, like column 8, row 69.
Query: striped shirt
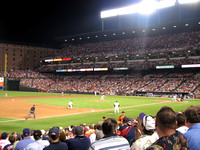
column 113, row 142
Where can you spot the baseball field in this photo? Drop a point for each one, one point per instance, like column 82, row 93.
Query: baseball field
column 51, row 109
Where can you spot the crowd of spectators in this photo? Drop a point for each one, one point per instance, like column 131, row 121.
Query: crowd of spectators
column 125, row 49
column 157, row 44
column 167, row 130
column 111, row 83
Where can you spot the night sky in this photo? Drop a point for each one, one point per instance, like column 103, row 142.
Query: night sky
column 39, row 21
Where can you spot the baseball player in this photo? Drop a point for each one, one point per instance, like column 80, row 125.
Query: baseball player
column 32, row 111
column 102, row 97
column 70, row 104
column 116, row 105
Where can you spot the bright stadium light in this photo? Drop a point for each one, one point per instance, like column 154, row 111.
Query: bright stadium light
column 121, row 11
column 147, row 6
column 144, row 7
column 166, row 3
column 187, row 1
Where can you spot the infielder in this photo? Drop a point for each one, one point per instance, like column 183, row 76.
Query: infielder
column 32, row 111
column 116, row 105
column 70, row 104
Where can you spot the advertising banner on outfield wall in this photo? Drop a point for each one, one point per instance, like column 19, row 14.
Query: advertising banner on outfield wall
column 1, row 81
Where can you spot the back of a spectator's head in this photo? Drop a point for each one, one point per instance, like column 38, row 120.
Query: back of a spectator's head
column 192, row 114
column 166, row 118
column 12, row 139
column 37, row 134
column 180, row 118
column 4, row 135
column 125, row 120
column 79, row 131
column 26, row 132
column 91, row 126
column 149, row 125
column 19, row 136
column 109, row 126
column 99, row 125
column 54, row 133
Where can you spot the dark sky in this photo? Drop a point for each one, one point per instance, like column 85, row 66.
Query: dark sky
column 39, row 21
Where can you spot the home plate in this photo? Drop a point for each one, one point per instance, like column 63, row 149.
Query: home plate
column 92, row 110
column 13, row 99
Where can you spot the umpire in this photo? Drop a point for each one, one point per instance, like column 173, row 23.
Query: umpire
column 32, row 111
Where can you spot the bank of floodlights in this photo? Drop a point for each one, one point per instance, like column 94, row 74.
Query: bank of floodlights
column 144, row 7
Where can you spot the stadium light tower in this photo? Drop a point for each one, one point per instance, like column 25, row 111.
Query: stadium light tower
column 187, row 1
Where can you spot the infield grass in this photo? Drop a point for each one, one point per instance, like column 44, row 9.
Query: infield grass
column 150, row 106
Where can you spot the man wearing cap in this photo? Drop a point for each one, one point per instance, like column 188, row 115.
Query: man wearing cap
column 32, row 111
column 39, row 144
column 21, row 145
column 129, row 131
column 147, row 128
column 80, row 141
column 111, row 140
column 169, row 138
column 55, row 144
column 122, row 117
column 4, row 140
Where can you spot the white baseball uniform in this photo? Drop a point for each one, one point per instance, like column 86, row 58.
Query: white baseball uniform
column 116, row 104
column 70, row 104
column 102, row 97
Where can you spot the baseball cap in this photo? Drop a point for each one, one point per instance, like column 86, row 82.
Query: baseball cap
column 54, row 131
column 141, row 115
column 79, row 130
column 123, row 111
column 4, row 135
column 26, row 131
column 149, row 123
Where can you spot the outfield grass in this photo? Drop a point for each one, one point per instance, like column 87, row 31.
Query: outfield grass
column 10, row 125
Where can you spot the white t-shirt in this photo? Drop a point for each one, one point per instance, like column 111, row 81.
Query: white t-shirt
column 144, row 142
column 182, row 129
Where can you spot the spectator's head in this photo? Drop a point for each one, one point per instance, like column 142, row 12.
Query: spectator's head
column 79, row 131
column 62, row 136
column 148, row 125
column 99, row 125
column 125, row 120
column 192, row 115
column 4, row 135
column 26, row 132
column 12, row 139
column 19, row 136
column 165, row 121
column 180, row 118
column 109, row 126
column 37, row 135
column 54, row 133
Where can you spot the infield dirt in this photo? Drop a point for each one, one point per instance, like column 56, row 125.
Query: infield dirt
column 18, row 108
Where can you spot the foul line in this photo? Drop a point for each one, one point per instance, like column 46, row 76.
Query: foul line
column 92, row 111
